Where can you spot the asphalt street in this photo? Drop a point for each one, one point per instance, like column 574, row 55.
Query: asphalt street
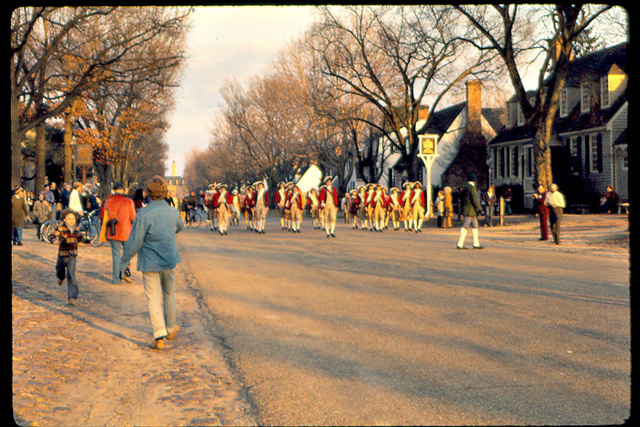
column 401, row 328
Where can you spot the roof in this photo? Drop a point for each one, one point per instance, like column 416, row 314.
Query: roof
column 441, row 120
column 593, row 65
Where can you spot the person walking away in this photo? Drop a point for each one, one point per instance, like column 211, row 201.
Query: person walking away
column 75, row 202
column 490, row 199
column 42, row 212
column 539, row 201
column 120, row 208
column 470, row 203
column 556, row 202
column 153, row 238
column 67, row 235
column 19, row 215
column 329, row 204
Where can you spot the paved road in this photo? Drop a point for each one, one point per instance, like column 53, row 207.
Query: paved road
column 400, row 328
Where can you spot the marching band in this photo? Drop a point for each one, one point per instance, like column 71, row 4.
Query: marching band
column 372, row 207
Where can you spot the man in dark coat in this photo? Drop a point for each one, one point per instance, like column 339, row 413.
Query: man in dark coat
column 470, row 203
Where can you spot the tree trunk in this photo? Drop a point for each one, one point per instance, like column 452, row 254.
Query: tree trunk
column 41, row 150
column 542, row 153
column 16, row 145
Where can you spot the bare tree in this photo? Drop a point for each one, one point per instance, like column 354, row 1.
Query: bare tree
column 73, row 49
column 392, row 57
column 559, row 27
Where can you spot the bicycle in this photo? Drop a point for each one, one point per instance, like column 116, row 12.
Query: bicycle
column 90, row 229
column 193, row 218
column 47, row 230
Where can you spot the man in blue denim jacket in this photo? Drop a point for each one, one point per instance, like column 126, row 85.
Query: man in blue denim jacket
column 153, row 239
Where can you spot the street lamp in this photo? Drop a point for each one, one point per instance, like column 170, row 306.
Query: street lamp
column 428, row 151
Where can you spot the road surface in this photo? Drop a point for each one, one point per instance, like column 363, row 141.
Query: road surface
column 401, row 328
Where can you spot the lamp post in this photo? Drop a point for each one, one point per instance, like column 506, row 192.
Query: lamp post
column 428, row 151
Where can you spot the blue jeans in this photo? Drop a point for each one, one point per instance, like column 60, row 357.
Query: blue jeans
column 16, row 235
column 159, row 287
column 116, row 260
column 66, row 268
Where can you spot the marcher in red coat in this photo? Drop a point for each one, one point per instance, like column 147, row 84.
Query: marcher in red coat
column 329, row 203
column 543, row 211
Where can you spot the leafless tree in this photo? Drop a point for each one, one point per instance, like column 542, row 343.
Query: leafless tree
column 557, row 28
column 393, row 57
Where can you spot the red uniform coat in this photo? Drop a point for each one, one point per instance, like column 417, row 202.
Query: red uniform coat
column 409, row 194
column 334, row 192
column 265, row 198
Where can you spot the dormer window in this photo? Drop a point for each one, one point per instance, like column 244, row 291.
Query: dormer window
column 586, row 97
column 564, row 102
column 604, row 92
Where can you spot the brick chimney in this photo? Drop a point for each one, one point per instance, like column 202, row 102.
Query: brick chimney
column 423, row 112
column 474, row 107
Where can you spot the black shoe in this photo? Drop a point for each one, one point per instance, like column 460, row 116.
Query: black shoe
column 333, row 235
column 460, row 247
column 478, row 247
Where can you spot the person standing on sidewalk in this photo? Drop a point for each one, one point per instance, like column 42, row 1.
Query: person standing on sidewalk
column 120, row 208
column 153, row 238
column 539, row 201
column 556, row 202
column 19, row 214
column 470, row 210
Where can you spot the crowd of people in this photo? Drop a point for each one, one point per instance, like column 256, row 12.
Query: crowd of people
column 127, row 226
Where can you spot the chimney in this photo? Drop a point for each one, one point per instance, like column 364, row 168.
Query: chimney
column 423, row 112
column 474, row 107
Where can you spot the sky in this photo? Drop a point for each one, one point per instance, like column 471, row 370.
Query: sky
column 225, row 42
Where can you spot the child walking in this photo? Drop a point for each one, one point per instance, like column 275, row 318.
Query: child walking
column 68, row 236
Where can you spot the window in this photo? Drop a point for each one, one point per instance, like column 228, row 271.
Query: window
column 596, row 154
column 520, row 116
column 604, row 92
column 585, row 97
column 516, row 166
column 564, row 103
column 587, row 155
column 529, row 161
column 502, row 171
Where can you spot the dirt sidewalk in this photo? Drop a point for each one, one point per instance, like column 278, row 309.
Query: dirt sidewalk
column 91, row 364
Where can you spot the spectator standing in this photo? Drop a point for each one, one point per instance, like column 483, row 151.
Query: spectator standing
column 55, row 208
column 490, row 200
column 75, row 201
column 448, row 207
column 41, row 212
column 19, row 214
column 539, row 201
column 64, row 196
column 138, row 199
column 121, row 208
column 153, row 239
column 440, row 208
column 556, row 202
